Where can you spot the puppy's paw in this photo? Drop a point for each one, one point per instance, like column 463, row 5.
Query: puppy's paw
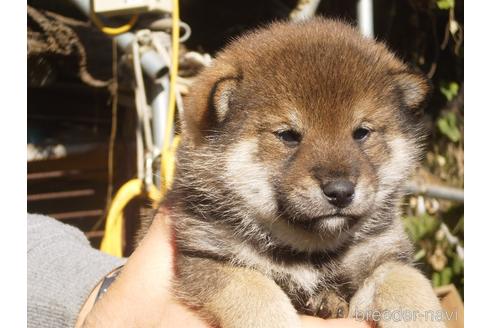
column 327, row 304
column 250, row 300
column 397, row 296
column 233, row 297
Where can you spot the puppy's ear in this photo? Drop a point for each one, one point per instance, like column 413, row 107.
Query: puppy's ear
column 208, row 103
column 413, row 89
column 220, row 98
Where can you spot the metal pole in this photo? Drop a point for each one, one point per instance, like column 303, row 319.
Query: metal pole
column 159, row 110
column 304, row 10
column 448, row 193
column 153, row 65
column 365, row 17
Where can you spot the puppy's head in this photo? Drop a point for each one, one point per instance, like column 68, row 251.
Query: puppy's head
column 306, row 131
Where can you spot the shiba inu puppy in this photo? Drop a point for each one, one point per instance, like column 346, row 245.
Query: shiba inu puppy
column 296, row 143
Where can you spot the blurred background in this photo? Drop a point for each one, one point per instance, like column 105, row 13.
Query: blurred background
column 102, row 94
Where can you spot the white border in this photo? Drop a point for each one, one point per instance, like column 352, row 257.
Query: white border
column 13, row 134
column 478, row 162
column 478, row 149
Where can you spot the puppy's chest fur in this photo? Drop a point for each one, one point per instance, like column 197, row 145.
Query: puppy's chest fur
column 300, row 277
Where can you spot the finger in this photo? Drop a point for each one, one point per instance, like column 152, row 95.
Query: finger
column 151, row 266
column 142, row 292
column 313, row 322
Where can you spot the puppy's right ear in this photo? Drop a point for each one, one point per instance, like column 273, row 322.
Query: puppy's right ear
column 413, row 89
column 209, row 101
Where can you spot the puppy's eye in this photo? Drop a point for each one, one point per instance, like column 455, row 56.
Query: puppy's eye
column 289, row 137
column 361, row 134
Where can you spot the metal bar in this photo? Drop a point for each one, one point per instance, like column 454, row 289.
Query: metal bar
column 94, row 234
column 365, row 17
column 45, row 175
column 67, row 118
column 159, row 111
column 76, row 214
column 152, row 64
column 448, row 193
column 61, row 194
column 304, row 10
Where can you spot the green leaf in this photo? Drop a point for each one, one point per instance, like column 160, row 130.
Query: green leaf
column 457, row 264
column 446, row 276
column 419, row 255
column 460, row 226
column 445, row 4
column 436, row 279
column 449, row 89
column 419, row 227
column 447, row 126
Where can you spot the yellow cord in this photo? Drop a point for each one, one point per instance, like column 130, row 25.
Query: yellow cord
column 113, row 30
column 169, row 165
column 112, row 242
column 166, row 148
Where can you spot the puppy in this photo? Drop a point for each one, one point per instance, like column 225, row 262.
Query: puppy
column 295, row 145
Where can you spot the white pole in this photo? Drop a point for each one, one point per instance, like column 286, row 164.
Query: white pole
column 365, row 17
column 304, row 10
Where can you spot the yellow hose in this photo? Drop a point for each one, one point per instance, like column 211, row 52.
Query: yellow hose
column 169, row 165
column 112, row 242
column 113, row 30
column 166, row 147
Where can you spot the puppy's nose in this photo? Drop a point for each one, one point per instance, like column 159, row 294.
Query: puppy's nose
column 339, row 192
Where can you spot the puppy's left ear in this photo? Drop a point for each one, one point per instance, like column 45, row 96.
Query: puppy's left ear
column 220, row 97
column 413, row 89
column 209, row 104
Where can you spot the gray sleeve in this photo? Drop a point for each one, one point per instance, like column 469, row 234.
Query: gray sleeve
column 62, row 270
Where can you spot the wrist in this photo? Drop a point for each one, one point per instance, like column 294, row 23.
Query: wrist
column 90, row 301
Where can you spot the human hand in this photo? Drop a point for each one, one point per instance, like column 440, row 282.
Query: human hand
column 141, row 295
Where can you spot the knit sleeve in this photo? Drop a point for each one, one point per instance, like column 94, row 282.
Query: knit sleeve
column 62, row 270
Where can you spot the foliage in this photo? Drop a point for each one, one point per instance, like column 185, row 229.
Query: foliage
column 441, row 257
column 445, row 4
column 436, row 48
column 447, row 126
column 449, row 90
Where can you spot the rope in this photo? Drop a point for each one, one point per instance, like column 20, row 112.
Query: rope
column 112, row 240
column 53, row 37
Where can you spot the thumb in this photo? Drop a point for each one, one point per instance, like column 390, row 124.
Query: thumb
column 152, row 262
column 142, row 293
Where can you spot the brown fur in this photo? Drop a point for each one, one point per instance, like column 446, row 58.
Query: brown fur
column 252, row 223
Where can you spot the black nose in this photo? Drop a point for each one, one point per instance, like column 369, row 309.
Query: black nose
column 339, row 192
